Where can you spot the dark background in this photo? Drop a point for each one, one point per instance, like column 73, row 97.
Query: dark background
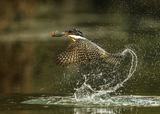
column 27, row 52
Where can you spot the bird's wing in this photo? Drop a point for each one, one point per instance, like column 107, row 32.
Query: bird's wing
column 81, row 51
column 75, row 53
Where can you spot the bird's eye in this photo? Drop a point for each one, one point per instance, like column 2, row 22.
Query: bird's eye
column 69, row 31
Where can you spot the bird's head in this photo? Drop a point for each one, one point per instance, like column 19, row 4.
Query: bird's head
column 73, row 33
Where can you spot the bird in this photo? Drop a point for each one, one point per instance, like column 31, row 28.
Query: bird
column 82, row 51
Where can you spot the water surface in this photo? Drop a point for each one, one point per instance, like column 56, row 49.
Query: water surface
column 29, row 71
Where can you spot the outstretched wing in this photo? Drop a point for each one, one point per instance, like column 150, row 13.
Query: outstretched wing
column 76, row 53
column 83, row 51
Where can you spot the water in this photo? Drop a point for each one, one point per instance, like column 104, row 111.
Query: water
column 32, row 83
column 49, row 104
column 86, row 90
column 100, row 99
column 86, row 96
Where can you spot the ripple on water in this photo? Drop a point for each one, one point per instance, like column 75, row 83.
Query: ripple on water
column 97, row 101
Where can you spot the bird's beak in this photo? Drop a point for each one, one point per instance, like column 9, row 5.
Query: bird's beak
column 58, row 34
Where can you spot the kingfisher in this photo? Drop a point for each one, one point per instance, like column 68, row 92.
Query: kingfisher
column 83, row 51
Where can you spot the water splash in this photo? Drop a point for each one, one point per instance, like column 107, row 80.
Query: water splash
column 132, row 69
column 86, row 96
column 87, row 92
column 98, row 101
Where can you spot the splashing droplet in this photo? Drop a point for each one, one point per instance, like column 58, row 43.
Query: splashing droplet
column 86, row 90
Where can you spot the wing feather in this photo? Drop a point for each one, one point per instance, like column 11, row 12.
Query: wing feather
column 83, row 51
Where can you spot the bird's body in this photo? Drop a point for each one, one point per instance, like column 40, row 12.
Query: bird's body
column 82, row 51
column 103, row 73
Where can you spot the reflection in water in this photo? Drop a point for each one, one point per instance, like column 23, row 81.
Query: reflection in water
column 72, row 111
column 108, row 110
column 96, row 110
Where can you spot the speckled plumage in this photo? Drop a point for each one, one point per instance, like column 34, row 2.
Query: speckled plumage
column 82, row 51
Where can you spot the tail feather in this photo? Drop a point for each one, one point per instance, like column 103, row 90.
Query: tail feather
column 113, row 58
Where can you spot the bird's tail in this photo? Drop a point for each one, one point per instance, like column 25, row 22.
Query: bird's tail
column 113, row 58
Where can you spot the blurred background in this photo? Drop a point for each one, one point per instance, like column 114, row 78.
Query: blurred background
column 27, row 52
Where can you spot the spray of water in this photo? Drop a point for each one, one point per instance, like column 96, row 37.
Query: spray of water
column 86, row 91
column 85, row 96
column 132, row 69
